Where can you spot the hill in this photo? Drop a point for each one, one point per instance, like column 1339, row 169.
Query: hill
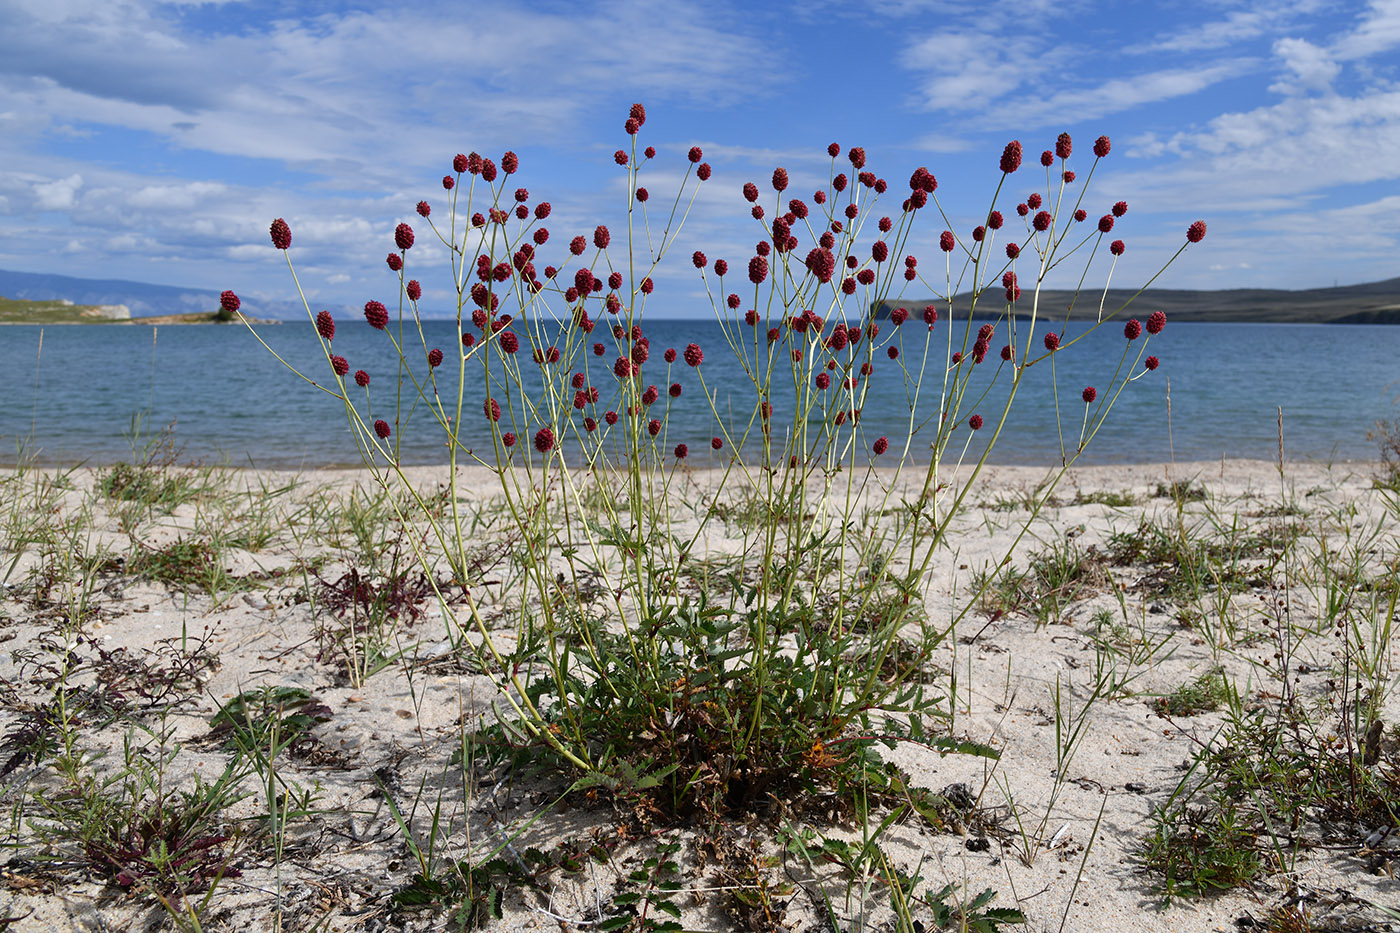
column 143, row 299
column 1368, row 303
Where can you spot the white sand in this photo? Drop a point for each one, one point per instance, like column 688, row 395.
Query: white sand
column 400, row 727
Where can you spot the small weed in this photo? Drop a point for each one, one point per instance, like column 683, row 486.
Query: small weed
column 1115, row 500
column 1202, row 695
column 1182, row 490
column 1055, row 578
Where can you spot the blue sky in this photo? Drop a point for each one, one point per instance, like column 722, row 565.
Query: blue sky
column 156, row 141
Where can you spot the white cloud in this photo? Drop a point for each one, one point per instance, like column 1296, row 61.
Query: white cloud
column 1378, row 31
column 59, row 194
column 1312, row 67
column 1117, row 95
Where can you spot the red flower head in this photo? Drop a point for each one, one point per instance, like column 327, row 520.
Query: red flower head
column 681, row 451
column 403, row 236
column 1033, row 200
column 946, row 241
column 1117, row 247
column 510, row 163
column 601, row 237
column 643, row 194
column 1120, row 208
column 376, row 315
column 474, row 163
column 1089, row 394
column 1067, row 177
column 898, row 316
column 1011, row 157
column 1063, row 146
column 508, row 439
column 1152, row 362
column 620, row 157
column 1047, row 158
column 1196, row 232
column 881, row 445
column 478, row 220
column 1012, row 250
column 694, row 355
column 381, row 427
column 361, row 378
column 637, row 112
column 424, row 208
column 610, row 417
column 631, row 126
column 281, row 234
column 833, row 150
column 340, row 366
column 1105, row 223
column 1133, row 329
column 675, row 390
column 1041, row 221
column 879, row 251
column 488, row 170
column 975, row 422
column 780, row 179
column 395, row 261
column 1101, row 146
column 758, row 269
column 1081, row 215
column 325, row 324
column 459, row 163
column 649, row 152
column 930, row 315
column 822, row 264
column 1023, row 209
column 435, row 357
column 492, row 409
column 413, row 290
column 994, row 220
column 653, row 427
column 703, row 171
column 1008, row 278
column 865, row 276
column 650, row 395
column 577, row 245
column 1006, row 352
column 839, row 182
column 1052, row 341
column 695, row 155
column 448, row 182
column 509, row 342
column 590, row 425
column 228, row 301
column 1156, row 321
column 544, row 440
column 733, row 301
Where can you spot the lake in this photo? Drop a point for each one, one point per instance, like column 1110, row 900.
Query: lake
column 227, row 398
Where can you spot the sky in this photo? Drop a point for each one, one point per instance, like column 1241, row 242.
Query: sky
column 156, row 141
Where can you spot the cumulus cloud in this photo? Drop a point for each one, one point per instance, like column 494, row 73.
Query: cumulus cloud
column 1311, row 67
column 57, row 195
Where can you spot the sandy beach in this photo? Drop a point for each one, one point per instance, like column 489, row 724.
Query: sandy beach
column 128, row 628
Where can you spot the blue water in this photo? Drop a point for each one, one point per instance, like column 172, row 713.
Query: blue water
column 228, row 399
